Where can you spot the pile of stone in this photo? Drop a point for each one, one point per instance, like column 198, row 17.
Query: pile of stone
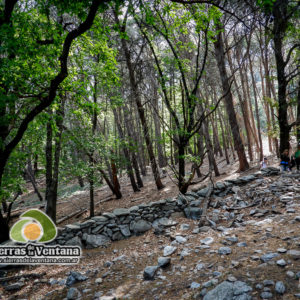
column 120, row 224
column 123, row 223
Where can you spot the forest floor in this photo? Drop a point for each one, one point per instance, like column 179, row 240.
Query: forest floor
column 72, row 198
column 117, row 270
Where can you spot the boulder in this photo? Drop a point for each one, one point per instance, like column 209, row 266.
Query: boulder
column 75, row 241
column 229, row 291
column 193, row 213
column 96, row 240
column 164, row 262
column 149, row 272
column 141, row 226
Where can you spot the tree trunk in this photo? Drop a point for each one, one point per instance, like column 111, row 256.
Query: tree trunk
column 279, row 28
column 220, row 57
column 225, row 146
column 142, row 116
column 211, row 158
column 261, row 152
column 133, row 156
column 126, row 153
column 51, row 194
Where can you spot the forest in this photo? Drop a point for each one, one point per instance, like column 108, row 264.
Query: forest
column 126, row 94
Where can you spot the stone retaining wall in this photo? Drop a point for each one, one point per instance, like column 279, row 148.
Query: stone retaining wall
column 123, row 223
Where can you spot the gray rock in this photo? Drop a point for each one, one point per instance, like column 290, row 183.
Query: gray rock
column 73, row 294
column 243, row 297
column 195, row 203
column 281, row 262
column 223, row 291
column 241, row 287
column 269, row 256
column 109, row 215
column 297, row 218
column 203, row 192
column 232, row 239
column 141, row 226
column 75, row 277
column 14, row 287
column 204, row 229
column 195, row 285
column 280, row 287
column 184, row 227
column 100, row 219
column 149, row 272
column 164, row 262
column 87, row 224
column 96, row 240
column 117, row 236
column 165, row 222
column 169, row 250
column 298, row 275
column 180, row 239
column 295, row 254
column 224, row 250
column 207, row 241
column 268, row 282
column 281, row 250
column 118, row 212
column 266, row 295
column 125, row 230
column 72, row 227
column 242, row 244
column 193, row 213
column 75, row 241
column 98, row 229
column 290, row 274
column 229, row 291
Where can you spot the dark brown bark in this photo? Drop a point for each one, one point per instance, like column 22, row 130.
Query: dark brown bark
column 141, row 111
column 261, row 152
column 30, row 174
column 242, row 100
column 51, row 192
column 280, row 24
column 225, row 146
column 128, row 125
column 220, row 57
column 126, row 153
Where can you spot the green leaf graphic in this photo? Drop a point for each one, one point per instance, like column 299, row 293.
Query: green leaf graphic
column 47, row 224
column 16, row 231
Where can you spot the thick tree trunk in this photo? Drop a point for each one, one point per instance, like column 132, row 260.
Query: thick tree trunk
column 298, row 113
column 51, row 194
column 242, row 101
column 261, row 152
column 142, row 116
column 4, row 232
column 279, row 28
column 162, row 162
column 181, row 167
column 220, row 57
